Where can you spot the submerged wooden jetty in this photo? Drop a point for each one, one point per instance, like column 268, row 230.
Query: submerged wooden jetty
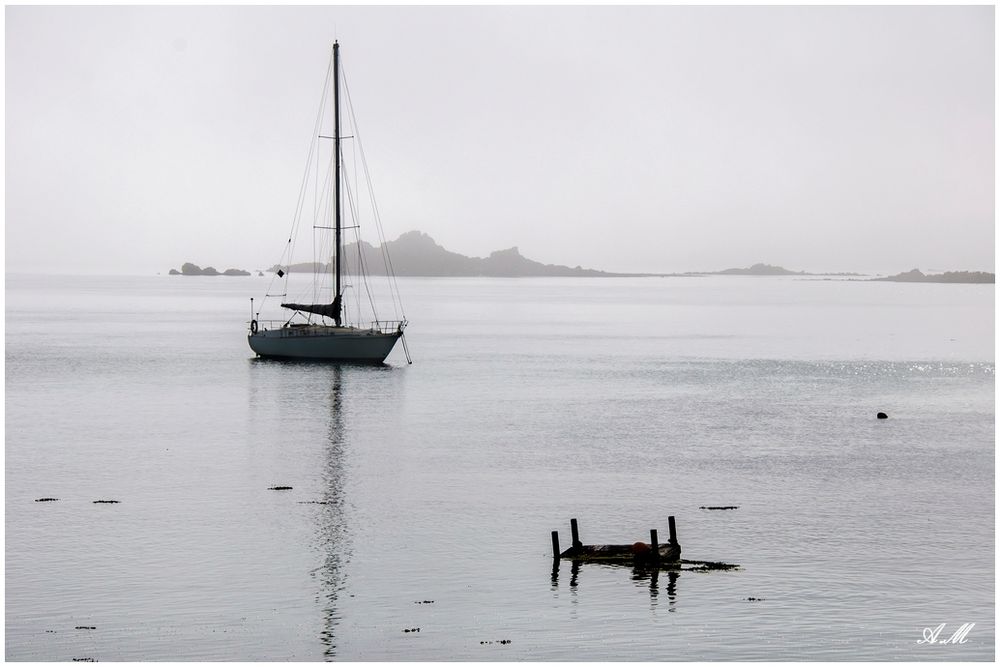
column 639, row 554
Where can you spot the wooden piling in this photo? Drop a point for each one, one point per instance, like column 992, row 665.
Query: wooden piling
column 637, row 554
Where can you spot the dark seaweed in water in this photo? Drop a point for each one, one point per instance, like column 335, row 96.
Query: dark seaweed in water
column 106, row 502
column 45, row 500
column 279, row 488
column 707, row 565
column 721, row 507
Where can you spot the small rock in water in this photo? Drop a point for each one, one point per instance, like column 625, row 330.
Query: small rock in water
column 107, row 502
column 279, row 488
column 45, row 500
column 882, row 415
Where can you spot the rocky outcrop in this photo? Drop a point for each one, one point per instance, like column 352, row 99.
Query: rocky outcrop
column 189, row 269
column 417, row 254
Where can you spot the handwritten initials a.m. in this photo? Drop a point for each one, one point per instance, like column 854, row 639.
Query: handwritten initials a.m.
column 958, row 637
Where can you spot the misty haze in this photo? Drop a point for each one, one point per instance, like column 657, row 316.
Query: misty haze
column 833, row 139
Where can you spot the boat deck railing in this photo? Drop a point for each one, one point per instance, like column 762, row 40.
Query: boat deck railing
column 388, row 326
column 382, row 326
column 264, row 325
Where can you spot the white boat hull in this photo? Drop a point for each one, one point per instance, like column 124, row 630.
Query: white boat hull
column 324, row 342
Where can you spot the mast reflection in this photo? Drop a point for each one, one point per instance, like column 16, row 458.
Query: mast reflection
column 332, row 533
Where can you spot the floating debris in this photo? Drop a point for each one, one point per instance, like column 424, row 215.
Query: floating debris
column 86, row 627
column 721, row 507
column 45, row 500
column 106, row 502
column 424, row 602
column 84, row 660
column 499, row 641
column 755, row 599
column 411, row 630
column 279, row 488
column 307, row 502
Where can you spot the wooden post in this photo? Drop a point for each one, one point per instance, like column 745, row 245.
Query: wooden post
column 673, row 530
column 576, row 533
column 555, row 544
column 654, row 541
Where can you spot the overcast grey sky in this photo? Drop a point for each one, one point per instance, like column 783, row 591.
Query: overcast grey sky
column 621, row 138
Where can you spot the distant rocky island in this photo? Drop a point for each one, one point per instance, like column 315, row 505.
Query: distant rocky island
column 765, row 270
column 760, row 270
column 189, row 269
column 916, row 276
column 417, row 254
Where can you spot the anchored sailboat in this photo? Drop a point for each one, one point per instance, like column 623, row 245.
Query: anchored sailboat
column 307, row 333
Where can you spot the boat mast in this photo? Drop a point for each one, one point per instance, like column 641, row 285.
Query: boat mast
column 336, row 178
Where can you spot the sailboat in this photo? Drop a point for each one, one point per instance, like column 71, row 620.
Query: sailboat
column 320, row 330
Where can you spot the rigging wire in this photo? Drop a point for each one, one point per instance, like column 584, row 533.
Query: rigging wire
column 393, row 284
column 286, row 255
column 362, row 272
column 320, row 214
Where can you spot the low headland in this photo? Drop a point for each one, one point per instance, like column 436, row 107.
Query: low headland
column 916, row 276
column 764, row 270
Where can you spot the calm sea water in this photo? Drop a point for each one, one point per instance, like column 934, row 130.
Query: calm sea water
column 423, row 496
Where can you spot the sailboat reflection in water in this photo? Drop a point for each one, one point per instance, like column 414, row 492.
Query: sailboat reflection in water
column 308, row 333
